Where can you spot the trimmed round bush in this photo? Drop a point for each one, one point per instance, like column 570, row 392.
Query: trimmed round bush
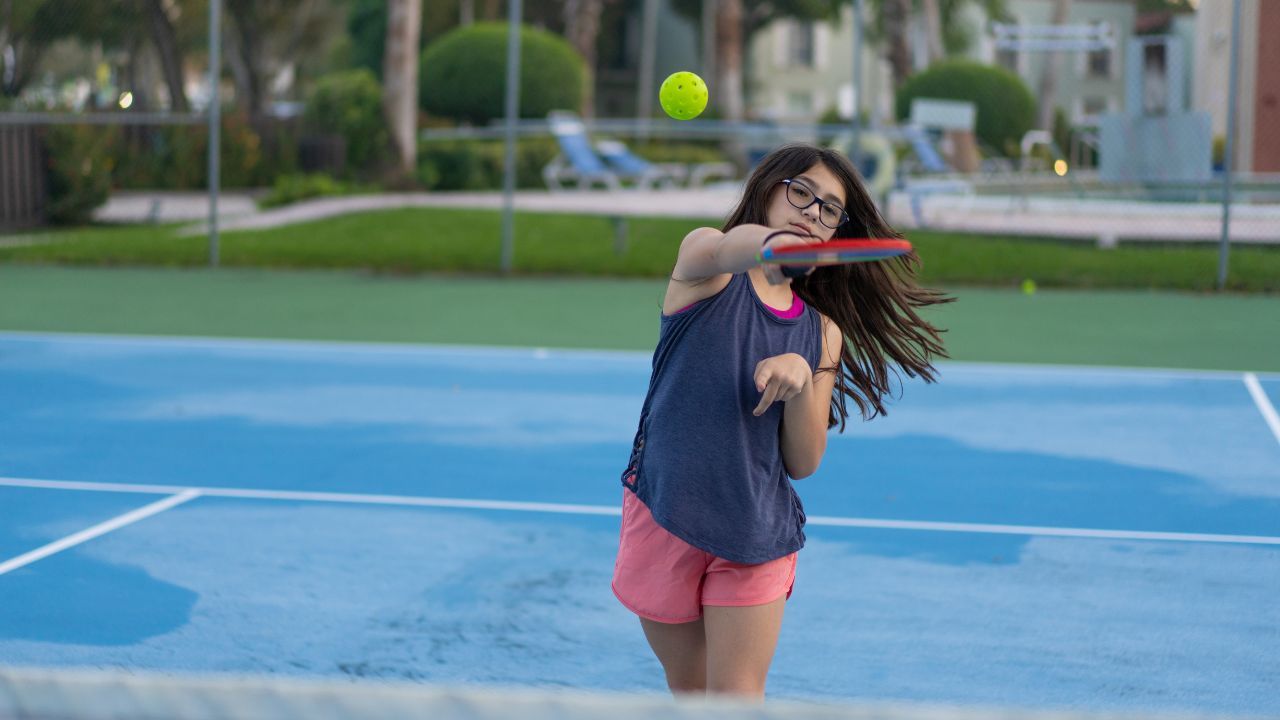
column 1005, row 106
column 349, row 104
column 463, row 74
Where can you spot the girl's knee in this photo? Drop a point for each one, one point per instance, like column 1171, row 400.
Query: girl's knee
column 737, row 688
column 686, row 686
column 740, row 681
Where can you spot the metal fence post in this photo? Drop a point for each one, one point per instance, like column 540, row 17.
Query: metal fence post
column 215, row 125
column 1224, row 246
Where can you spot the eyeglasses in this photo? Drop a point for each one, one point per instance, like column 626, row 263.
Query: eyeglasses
column 801, row 197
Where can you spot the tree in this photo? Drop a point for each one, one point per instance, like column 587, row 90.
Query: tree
column 265, row 37
column 945, row 35
column 932, row 20
column 736, row 22
column 165, row 39
column 400, row 78
column 27, row 28
column 895, row 17
column 367, row 22
column 582, row 29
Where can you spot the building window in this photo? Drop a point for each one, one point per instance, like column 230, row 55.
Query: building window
column 800, row 43
column 1092, row 107
column 1100, row 63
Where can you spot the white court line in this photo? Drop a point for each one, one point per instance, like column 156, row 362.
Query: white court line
column 97, row 530
column 1264, row 403
column 454, row 350
column 568, row 509
column 1044, row 531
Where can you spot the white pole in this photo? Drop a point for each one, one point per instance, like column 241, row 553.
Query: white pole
column 1224, row 246
column 855, row 149
column 215, row 124
column 709, row 40
column 648, row 58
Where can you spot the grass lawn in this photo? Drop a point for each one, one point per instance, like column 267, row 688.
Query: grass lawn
column 420, row 240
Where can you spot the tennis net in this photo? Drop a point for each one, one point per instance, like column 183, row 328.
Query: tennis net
column 43, row 694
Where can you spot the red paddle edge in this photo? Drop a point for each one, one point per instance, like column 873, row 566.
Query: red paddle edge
column 891, row 246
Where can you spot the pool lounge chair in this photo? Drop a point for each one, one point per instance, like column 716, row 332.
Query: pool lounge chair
column 577, row 162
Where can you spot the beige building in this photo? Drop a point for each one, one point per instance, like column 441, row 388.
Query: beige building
column 1257, row 144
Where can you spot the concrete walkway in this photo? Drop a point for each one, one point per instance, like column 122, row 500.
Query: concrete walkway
column 1101, row 221
column 1107, row 222
column 237, row 211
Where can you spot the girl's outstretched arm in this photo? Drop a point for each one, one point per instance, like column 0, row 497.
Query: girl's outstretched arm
column 707, row 252
column 709, row 257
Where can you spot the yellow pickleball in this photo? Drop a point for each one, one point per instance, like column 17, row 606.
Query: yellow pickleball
column 683, row 95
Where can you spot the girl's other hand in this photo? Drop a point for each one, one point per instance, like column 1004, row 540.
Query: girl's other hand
column 773, row 273
column 781, row 378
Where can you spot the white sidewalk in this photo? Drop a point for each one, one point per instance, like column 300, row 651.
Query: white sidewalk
column 237, row 211
column 1102, row 221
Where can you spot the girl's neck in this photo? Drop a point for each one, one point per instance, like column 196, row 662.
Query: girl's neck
column 778, row 296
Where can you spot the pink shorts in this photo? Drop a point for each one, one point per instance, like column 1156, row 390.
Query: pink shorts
column 660, row 577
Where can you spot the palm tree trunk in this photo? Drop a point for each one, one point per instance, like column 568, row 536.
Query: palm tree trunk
column 932, row 29
column 400, row 79
column 1049, row 76
column 897, row 14
column 582, row 27
column 728, row 90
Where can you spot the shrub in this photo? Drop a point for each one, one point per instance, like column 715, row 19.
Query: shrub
column 1004, row 104
column 79, row 166
column 479, row 165
column 349, row 104
column 300, row 186
column 463, row 74
column 175, row 157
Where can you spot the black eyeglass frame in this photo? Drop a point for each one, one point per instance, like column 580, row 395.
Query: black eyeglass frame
column 844, row 215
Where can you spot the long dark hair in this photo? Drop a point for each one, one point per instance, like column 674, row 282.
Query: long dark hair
column 873, row 303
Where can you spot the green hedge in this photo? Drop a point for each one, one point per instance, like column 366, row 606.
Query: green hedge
column 1005, row 106
column 79, row 176
column 300, row 186
column 349, row 104
column 463, row 74
column 175, row 157
column 479, row 165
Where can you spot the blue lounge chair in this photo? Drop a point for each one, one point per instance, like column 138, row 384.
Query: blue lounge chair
column 636, row 169
column 922, row 145
column 611, row 163
column 577, row 162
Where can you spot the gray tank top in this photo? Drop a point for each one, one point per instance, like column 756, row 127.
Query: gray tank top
column 710, row 471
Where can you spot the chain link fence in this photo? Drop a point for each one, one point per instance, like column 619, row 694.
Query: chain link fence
column 1144, row 119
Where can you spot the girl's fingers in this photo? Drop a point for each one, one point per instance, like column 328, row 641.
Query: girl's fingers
column 763, row 376
column 770, row 393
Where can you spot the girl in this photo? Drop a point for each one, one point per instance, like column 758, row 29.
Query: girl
column 751, row 370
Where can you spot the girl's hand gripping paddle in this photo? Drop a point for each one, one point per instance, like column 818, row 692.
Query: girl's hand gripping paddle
column 849, row 245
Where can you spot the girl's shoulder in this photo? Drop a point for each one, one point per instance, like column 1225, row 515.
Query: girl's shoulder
column 682, row 294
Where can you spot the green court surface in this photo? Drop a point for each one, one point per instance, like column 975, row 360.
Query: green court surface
column 1141, row 329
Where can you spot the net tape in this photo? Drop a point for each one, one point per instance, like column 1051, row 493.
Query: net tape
column 41, row 694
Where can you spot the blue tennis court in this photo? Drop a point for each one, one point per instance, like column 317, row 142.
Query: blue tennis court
column 1045, row 537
